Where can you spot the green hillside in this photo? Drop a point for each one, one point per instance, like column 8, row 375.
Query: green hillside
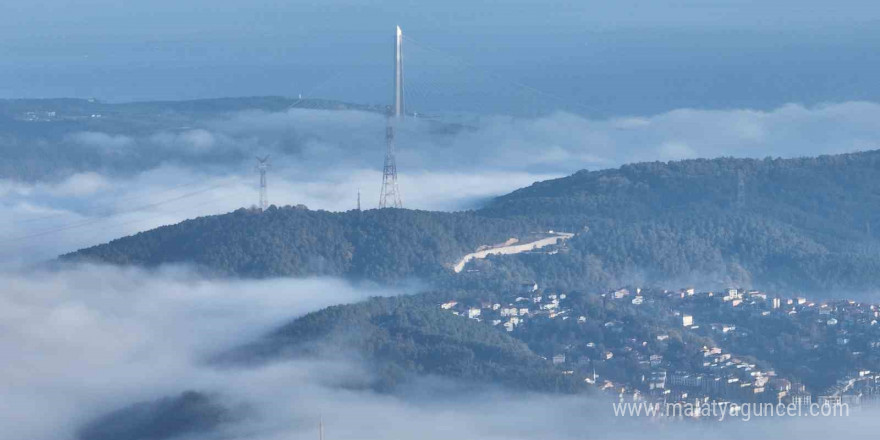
column 791, row 225
column 382, row 245
column 403, row 336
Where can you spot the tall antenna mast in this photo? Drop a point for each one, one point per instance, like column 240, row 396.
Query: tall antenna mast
column 321, row 428
column 398, row 74
column 262, row 166
column 390, row 196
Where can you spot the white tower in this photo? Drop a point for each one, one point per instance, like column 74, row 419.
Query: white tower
column 390, row 195
column 398, row 74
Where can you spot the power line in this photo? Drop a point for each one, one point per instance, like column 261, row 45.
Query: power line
column 109, row 203
column 101, row 218
column 140, row 220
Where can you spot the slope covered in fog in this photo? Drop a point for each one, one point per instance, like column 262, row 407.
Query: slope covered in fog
column 189, row 413
column 401, row 337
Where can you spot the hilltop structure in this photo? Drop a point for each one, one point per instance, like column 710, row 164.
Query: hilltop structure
column 390, row 196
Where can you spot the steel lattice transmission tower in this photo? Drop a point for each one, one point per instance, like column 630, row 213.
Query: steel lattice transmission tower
column 262, row 167
column 390, row 196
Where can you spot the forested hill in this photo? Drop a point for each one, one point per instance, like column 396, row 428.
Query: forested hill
column 840, row 188
column 790, row 224
column 409, row 335
column 383, row 245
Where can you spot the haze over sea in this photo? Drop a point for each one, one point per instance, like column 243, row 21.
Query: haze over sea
column 596, row 58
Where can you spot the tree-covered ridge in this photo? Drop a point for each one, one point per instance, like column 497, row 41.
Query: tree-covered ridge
column 403, row 336
column 835, row 186
column 384, row 245
column 793, row 224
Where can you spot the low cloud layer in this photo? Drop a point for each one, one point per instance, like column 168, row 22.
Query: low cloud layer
column 85, row 340
column 110, row 184
column 41, row 221
column 561, row 142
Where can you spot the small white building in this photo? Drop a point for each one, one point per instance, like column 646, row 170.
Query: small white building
column 620, row 293
column 687, row 320
column 448, row 305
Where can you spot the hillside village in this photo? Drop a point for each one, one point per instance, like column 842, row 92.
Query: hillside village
column 686, row 345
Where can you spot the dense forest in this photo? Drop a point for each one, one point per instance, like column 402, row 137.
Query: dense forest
column 405, row 336
column 790, row 225
column 384, row 245
column 784, row 224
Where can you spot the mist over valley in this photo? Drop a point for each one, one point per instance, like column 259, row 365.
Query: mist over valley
column 526, row 221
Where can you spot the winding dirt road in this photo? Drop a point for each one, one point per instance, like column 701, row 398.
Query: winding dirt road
column 512, row 249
